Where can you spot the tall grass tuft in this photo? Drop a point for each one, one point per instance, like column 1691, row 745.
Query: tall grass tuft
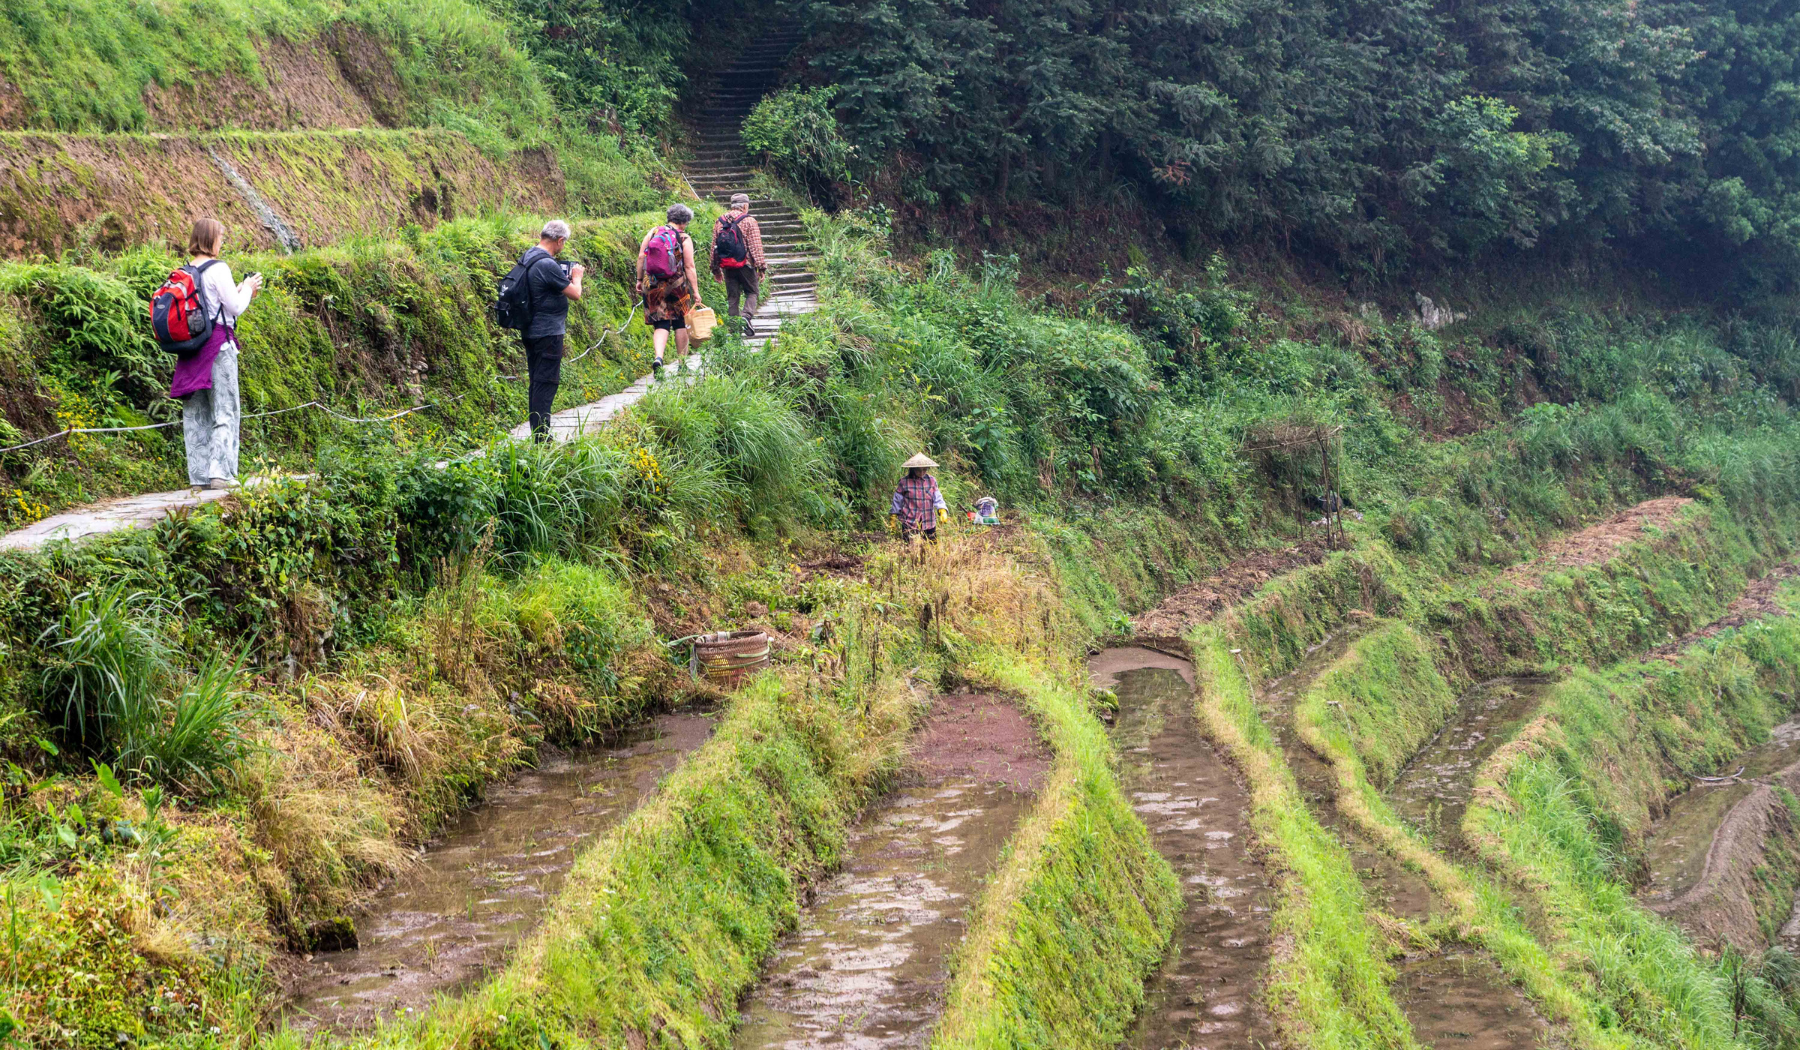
column 107, row 663
column 111, row 670
column 200, row 736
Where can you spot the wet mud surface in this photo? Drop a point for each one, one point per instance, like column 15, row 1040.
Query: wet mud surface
column 1454, row 997
column 1389, row 884
column 1199, row 602
column 870, row 962
column 1462, row 1000
column 483, row 883
column 1679, row 849
column 1206, row 994
column 1432, row 793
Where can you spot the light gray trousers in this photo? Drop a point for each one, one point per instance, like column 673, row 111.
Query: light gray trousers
column 209, row 422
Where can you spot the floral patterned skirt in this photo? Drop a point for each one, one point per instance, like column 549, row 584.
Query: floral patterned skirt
column 667, row 299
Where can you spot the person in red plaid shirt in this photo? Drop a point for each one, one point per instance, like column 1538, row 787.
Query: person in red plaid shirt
column 737, row 259
column 918, row 505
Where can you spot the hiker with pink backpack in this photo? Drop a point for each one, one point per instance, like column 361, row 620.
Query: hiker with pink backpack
column 194, row 316
column 667, row 281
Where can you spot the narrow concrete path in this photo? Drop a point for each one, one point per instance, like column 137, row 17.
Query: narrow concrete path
column 718, row 169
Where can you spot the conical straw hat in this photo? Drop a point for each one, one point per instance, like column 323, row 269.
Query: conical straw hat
column 920, row 460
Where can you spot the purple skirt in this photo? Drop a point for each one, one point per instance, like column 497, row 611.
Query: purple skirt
column 195, row 373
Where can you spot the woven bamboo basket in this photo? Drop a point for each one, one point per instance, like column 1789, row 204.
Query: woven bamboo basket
column 724, row 658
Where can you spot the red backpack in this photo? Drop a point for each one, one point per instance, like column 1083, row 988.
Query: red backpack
column 180, row 317
column 662, row 256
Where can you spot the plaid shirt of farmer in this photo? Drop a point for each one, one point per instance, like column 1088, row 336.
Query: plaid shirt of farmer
column 915, row 500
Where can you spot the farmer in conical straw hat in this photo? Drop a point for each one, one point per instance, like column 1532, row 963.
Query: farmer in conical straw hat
column 918, row 505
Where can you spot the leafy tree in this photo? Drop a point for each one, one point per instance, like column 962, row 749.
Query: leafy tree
column 1381, row 135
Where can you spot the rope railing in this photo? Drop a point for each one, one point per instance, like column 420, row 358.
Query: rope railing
column 605, row 334
column 320, row 405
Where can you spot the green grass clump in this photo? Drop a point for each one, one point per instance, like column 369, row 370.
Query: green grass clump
column 1082, row 908
column 116, row 693
column 1563, row 807
column 1329, row 975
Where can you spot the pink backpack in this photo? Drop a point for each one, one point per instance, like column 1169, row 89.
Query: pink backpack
column 662, row 256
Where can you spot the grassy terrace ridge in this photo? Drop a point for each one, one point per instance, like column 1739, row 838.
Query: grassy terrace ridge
column 665, row 924
column 366, row 325
column 1080, row 912
column 413, row 634
column 1392, row 691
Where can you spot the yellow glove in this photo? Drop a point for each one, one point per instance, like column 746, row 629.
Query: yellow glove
column 893, row 523
column 943, row 516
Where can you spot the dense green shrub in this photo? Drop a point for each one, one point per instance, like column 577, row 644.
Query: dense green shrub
column 1379, row 136
column 797, row 136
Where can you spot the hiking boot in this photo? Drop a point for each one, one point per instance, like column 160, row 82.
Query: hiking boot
column 656, row 369
column 749, row 329
column 222, row 483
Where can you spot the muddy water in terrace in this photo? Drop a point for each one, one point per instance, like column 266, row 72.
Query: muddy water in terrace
column 1461, row 1000
column 870, row 962
column 1433, row 791
column 1388, row 883
column 1206, row 994
column 482, row 885
column 1678, row 845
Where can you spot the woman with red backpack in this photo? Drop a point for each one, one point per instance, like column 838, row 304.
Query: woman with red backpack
column 667, row 281
column 201, row 300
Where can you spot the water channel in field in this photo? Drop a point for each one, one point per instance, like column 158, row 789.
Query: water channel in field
column 482, row 884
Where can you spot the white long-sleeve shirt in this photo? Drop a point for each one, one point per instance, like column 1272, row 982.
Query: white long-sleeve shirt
column 228, row 300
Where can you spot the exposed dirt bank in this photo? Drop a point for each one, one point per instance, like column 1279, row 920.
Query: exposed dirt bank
column 110, row 191
column 1757, row 601
column 1599, row 542
column 1198, row 602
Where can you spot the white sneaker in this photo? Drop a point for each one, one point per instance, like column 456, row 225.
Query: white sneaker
column 222, row 483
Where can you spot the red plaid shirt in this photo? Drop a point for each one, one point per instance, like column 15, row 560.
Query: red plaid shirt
column 752, row 236
column 914, row 501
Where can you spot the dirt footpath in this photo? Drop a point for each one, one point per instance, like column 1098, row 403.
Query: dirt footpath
column 1598, row 543
column 1757, row 601
column 1198, row 602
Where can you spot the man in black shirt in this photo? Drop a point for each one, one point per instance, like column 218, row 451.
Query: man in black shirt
column 552, row 285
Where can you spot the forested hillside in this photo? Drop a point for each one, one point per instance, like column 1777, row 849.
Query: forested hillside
column 1386, row 136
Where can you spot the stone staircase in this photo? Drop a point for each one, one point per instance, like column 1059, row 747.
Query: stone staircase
column 718, row 168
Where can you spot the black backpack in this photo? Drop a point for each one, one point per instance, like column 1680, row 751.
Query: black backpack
column 729, row 244
column 512, row 307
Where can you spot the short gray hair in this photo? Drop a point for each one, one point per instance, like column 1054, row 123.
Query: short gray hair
column 680, row 214
column 555, row 230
